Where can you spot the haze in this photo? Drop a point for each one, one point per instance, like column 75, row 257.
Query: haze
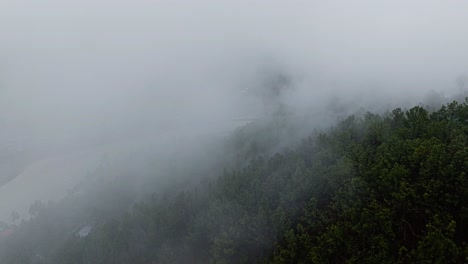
column 83, row 78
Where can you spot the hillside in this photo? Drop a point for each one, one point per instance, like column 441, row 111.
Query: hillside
column 388, row 188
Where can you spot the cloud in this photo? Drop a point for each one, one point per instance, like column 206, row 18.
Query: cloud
column 82, row 69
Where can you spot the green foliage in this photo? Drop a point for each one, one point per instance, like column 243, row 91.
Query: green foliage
column 407, row 202
column 376, row 189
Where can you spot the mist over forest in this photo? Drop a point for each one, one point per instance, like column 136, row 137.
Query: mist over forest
column 233, row 131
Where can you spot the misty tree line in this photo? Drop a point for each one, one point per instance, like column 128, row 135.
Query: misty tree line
column 386, row 188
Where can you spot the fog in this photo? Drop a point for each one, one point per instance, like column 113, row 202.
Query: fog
column 79, row 79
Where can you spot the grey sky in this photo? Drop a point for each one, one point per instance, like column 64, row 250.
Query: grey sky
column 78, row 63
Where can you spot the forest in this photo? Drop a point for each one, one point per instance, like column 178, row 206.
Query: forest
column 374, row 188
column 247, row 131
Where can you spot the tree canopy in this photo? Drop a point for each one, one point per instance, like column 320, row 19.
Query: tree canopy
column 388, row 188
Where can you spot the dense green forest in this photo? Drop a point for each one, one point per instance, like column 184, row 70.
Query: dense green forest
column 389, row 188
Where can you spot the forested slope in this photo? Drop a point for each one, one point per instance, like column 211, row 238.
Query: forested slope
column 386, row 188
